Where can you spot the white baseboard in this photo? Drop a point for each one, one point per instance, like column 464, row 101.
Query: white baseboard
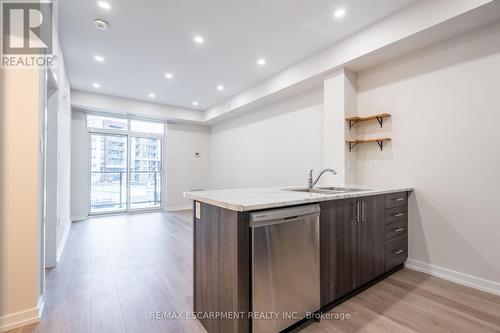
column 63, row 242
column 454, row 276
column 176, row 208
column 78, row 218
column 22, row 318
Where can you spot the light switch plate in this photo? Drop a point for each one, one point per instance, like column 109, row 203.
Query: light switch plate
column 197, row 211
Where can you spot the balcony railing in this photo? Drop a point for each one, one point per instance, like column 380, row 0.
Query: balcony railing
column 109, row 190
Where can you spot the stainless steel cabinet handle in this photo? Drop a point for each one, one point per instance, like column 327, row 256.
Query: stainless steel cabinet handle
column 399, row 199
column 398, row 229
column 357, row 212
column 398, row 215
column 363, row 210
column 398, row 251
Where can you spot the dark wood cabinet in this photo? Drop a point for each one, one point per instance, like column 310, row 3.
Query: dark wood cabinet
column 353, row 246
column 396, row 226
column 338, row 245
column 396, row 252
column 371, row 239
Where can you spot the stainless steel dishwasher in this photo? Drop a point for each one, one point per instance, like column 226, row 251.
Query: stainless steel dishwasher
column 285, row 266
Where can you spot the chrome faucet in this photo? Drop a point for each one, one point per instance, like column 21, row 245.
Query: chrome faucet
column 311, row 183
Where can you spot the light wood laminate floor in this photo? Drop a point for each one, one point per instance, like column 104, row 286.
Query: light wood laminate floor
column 116, row 270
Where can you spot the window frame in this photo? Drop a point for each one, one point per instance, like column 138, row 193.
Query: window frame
column 128, row 130
column 129, row 134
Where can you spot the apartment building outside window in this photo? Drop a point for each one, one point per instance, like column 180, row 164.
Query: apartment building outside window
column 126, row 158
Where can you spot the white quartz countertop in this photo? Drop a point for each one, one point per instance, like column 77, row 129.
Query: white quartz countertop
column 271, row 197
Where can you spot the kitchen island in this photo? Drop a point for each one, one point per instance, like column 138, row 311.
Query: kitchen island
column 266, row 259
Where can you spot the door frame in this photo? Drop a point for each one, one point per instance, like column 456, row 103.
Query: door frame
column 144, row 136
column 128, row 134
column 49, row 151
column 89, row 138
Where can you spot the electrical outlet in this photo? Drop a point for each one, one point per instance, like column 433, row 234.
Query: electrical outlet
column 372, row 165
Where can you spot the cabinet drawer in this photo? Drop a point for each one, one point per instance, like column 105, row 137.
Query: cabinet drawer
column 396, row 252
column 396, row 214
column 396, row 200
column 396, row 229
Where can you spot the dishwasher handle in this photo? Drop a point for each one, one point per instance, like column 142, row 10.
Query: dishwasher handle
column 283, row 215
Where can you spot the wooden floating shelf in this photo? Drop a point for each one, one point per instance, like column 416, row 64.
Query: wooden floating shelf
column 379, row 141
column 379, row 116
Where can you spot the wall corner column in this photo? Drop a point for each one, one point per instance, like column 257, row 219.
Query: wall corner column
column 340, row 101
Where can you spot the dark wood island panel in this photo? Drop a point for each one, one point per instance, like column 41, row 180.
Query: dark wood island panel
column 221, row 267
column 362, row 240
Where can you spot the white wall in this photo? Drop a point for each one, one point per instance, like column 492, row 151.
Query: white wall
column 23, row 97
column 20, row 284
column 184, row 171
column 58, row 164
column 444, row 103
column 273, row 146
column 51, row 202
column 79, row 167
column 340, row 98
column 63, row 163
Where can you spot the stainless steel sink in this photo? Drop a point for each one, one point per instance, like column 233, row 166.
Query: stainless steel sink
column 343, row 189
column 329, row 190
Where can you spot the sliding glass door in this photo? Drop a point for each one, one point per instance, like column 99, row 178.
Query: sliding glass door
column 145, row 172
column 125, row 164
column 108, row 173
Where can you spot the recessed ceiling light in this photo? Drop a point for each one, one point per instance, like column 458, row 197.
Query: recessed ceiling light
column 104, row 4
column 198, row 40
column 99, row 58
column 261, row 62
column 101, row 24
column 339, row 13
column 151, row 95
column 96, row 85
column 220, row 87
column 169, row 75
column 195, row 103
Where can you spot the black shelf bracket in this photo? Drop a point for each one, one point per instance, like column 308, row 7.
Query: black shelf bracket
column 352, row 122
column 352, row 145
column 380, row 121
column 380, row 144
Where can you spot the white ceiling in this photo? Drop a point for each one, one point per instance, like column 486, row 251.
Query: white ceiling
column 146, row 39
